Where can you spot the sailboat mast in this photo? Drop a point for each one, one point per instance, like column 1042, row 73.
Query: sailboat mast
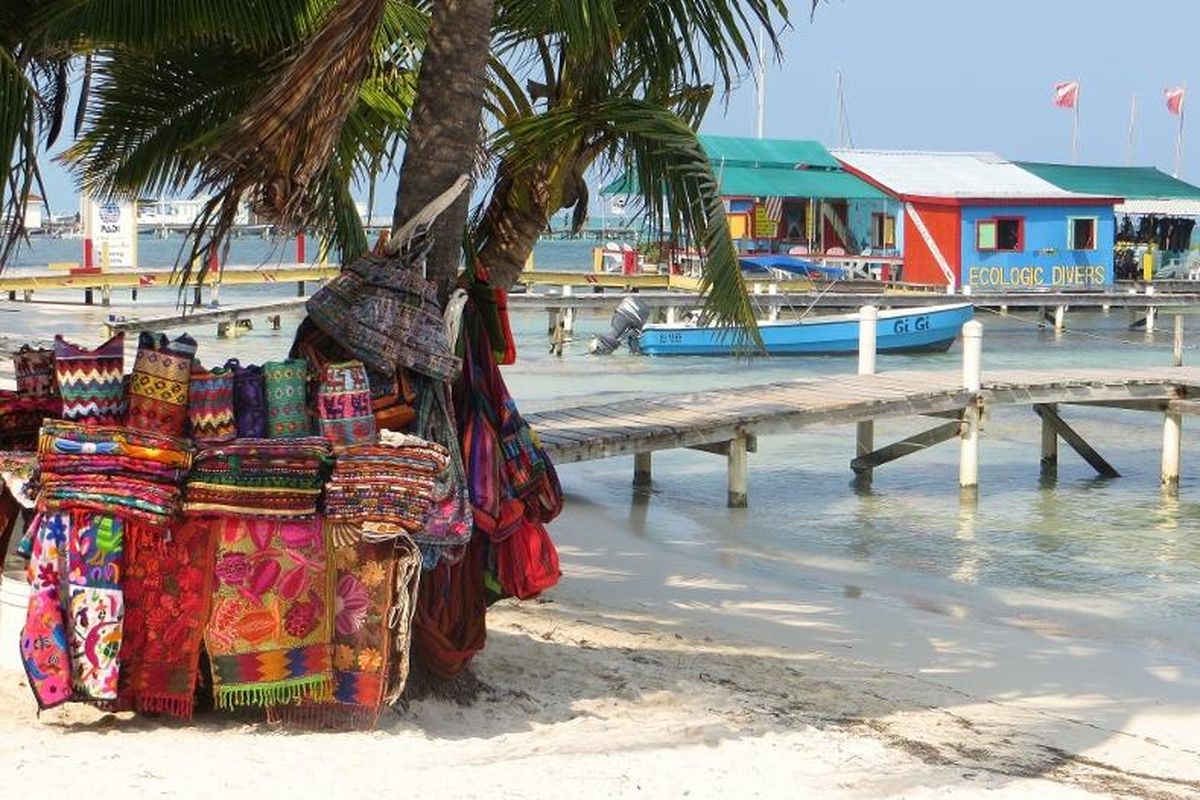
column 761, row 80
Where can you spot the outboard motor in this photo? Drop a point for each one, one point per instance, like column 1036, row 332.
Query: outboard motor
column 631, row 315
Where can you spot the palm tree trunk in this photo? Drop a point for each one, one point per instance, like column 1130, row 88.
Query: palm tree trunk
column 510, row 229
column 445, row 129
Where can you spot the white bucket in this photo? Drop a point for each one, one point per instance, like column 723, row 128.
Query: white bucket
column 14, row 596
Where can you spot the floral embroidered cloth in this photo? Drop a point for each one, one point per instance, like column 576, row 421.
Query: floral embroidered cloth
column 73, row 622
column 167, row 587
column 271, row 623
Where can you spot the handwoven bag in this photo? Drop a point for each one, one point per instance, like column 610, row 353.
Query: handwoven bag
column 386, row 314
column 35, row 372
column 344, row 404
column 91, row 382
column 287, row 398
column 210, row 404
column 249, row 400
column 158, row 385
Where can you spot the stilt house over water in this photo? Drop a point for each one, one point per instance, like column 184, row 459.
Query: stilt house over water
column 978, row 220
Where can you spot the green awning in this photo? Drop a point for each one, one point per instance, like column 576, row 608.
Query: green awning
column 786, row 153
column 1132, row 183
column 774, row 182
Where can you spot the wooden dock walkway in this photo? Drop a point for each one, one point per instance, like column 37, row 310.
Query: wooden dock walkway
column 729, row 421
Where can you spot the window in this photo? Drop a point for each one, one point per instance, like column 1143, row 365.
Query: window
column 883, row 230
column 1081, row 233
column 1005, row 234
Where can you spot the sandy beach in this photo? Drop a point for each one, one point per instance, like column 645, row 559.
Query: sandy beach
column 647, row 673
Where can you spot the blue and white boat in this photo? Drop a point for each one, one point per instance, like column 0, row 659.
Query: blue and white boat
column 900, row 330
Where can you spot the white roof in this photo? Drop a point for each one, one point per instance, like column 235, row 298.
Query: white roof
column 924, row 174
column 1178, row 207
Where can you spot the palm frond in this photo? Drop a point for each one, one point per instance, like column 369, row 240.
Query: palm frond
column 677, row 184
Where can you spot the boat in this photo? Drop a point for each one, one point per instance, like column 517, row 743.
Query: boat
column 899, row 330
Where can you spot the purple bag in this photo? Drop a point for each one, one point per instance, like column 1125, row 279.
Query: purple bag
column 249, row 400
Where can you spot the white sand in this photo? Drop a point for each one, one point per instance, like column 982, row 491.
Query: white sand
column 646, row 674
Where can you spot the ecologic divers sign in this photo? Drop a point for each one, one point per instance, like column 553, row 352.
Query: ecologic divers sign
column 1030, row 277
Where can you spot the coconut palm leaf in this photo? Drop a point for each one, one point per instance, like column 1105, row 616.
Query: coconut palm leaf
column 679, row 189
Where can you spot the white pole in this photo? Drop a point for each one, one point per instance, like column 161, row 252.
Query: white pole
column 762, row 81
column 1177, row 349
column 1075, row 125
column 1172, row 448
column 868, row 320
column 972, row 378
column 1132, row 122
column 1179, row 135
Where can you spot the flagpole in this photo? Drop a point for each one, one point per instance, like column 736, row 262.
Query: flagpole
column 1132, row 122
column 1179, row 135
column 1075, row 125
column 761, row 79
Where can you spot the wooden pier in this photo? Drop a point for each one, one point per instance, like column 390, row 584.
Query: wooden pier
column 729, row 422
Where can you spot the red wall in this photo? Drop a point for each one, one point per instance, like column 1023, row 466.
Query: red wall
column 943, row 223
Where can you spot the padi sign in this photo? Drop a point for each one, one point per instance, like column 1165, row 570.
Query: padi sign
column 110, row 233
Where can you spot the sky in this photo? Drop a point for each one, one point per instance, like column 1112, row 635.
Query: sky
column 966, row 75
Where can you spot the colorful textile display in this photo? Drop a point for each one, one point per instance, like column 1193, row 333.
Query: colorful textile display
column 344, row 405
column 21, row 417
column 73, row 622
column 113, row 470
column 167, row 587
column 270, row 629
column 385, row 313
column 287, row 399
column 450, row 521
column 387, row 488
column 91, row 381
column 35, row 373
column 249, row 400
column 158, row 386
column 374, row 597
column 210, row 405
column 271, row 478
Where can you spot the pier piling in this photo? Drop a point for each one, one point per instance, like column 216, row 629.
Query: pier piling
column 738, row 472
column 868, row 317
column 1177, row 349
column 1172, row 448
column 972, row 380
column 1049, row 462
column 641, row 469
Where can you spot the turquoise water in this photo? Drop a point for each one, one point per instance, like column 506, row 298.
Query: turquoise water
column 1111, row 559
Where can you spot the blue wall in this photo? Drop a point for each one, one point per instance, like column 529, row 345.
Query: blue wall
column 1046, row 258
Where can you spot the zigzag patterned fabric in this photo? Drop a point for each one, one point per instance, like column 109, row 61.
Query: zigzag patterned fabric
column 210, row 405
column 158, row 386
column 90, row 381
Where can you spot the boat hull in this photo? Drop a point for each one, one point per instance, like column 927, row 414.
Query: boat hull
column 931, row 329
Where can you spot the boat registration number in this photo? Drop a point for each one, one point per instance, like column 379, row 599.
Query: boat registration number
column 910, row 324
column 672, row 338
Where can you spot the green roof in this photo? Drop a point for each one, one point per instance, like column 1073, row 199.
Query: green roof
column 772, row 168
column 1132, row 183
column 787, row 153
column 776, row 182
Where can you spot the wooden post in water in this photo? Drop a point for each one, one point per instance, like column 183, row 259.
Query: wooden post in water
column 1177, row 350
column 641, row 469
column 568, row 314
column 1151, row 312
column 868, row 320
column 1049, row 448
column 738, row 472
column 972, row 378
column 1172, row 448
column 1060, row 319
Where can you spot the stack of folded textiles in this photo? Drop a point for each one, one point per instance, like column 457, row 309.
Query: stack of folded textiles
column 269, row 478
column 111, row 470
column 385, row 489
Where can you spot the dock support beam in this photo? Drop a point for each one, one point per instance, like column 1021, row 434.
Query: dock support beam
column 1172, row 449
column 868, row 317
column 972, row 376
column 1049, row 461
column 907, row 446
column 1060, row 319
column 738, row 468
column 1177, row 349
column 641, row 469
column 1050, row 417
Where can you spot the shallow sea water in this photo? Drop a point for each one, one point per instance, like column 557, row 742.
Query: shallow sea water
column 1111, row 559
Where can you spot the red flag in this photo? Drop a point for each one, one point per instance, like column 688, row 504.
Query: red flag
column 1174, row 98
column 1066, row 94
